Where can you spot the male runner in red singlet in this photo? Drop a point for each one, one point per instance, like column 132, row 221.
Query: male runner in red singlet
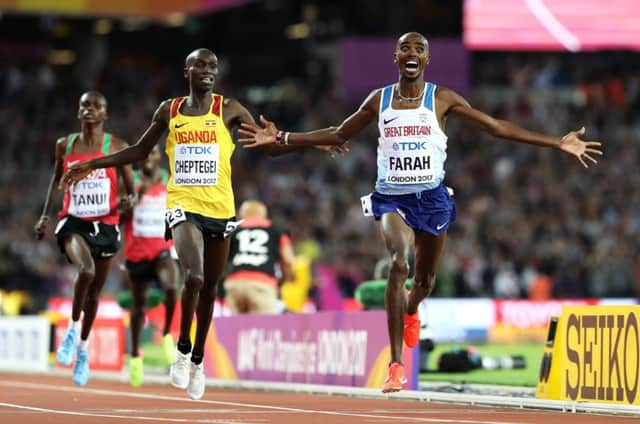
column 410, row 199
column 87, row 229
column 149, row 257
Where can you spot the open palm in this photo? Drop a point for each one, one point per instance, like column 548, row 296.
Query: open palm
column 573, row 145
column 74, row 174
column 254, row 136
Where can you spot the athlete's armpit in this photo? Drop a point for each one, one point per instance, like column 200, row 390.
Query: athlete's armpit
column 235, row 114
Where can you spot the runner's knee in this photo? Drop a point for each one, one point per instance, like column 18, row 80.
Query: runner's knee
column 193, row 280
column 168, row 284
column 399, row 266
column 86, row 273
column 427, row 281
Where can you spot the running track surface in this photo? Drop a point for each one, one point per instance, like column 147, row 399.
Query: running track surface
column 54, row 399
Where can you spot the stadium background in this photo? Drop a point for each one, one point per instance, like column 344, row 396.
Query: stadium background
column 532, row 224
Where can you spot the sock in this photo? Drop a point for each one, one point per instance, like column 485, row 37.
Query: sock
column 197, row 357
column 184, row 346
column 84, row 344
column 76, row 325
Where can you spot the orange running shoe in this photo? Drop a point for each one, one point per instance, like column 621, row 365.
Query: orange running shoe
column 395, row 378
column 411, row 330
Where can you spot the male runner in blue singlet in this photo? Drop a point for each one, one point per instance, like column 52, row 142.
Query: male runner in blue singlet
column 410, row 199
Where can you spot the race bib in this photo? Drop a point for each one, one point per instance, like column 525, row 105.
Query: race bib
column 175, row 216
column 409, row 163
column 367, row 209
column 196, row 164
column 90, row 198
column 149, row 216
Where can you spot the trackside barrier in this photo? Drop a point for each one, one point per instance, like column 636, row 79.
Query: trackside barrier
column 592, row 354
column 24, row 343
column 335, row 348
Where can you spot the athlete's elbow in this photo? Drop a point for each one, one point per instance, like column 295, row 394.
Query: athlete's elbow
column 338, row 137
column 497, row 128
column 137, row 152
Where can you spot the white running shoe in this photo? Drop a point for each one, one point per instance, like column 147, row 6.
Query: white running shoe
column 196, row 381
column 179, row 371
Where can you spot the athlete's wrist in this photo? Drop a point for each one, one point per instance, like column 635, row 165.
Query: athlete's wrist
column 282, row 137
column 279, row 137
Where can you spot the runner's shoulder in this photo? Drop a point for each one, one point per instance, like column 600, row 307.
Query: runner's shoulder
column 163, row 112
column 372, row 101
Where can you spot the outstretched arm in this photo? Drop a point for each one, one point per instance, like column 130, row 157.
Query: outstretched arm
column 131, row 154
column 331, row 136
column 456, row 105
column 41, row 226
column 235, row 115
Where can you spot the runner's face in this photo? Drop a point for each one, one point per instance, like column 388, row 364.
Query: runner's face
column 92, row 108
column 202, row 71
column 411, row 56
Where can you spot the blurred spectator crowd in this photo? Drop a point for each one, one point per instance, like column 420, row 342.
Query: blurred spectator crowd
column 532, row 223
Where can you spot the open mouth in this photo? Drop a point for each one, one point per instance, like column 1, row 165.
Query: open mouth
column 411, row 65
column 207, row 80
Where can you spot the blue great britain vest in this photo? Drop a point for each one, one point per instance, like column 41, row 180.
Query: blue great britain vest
column 412, row 148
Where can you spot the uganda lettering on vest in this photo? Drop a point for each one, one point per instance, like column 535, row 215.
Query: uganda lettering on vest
column 199, row 150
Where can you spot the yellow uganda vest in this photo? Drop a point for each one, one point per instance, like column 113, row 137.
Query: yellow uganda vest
column 199, row 149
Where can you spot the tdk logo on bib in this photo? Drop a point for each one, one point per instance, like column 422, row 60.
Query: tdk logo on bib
column 409, row 146
column 196, row 150
column 91, row 184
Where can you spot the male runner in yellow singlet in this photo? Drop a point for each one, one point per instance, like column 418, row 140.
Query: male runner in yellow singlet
column 200, row 201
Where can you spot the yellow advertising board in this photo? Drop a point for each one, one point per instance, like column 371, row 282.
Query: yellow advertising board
column 592, row 354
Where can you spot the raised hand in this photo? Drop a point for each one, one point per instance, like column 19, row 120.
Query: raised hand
column 255, row 136
column 74, row 174
column 573, row 145
column 41, row 227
